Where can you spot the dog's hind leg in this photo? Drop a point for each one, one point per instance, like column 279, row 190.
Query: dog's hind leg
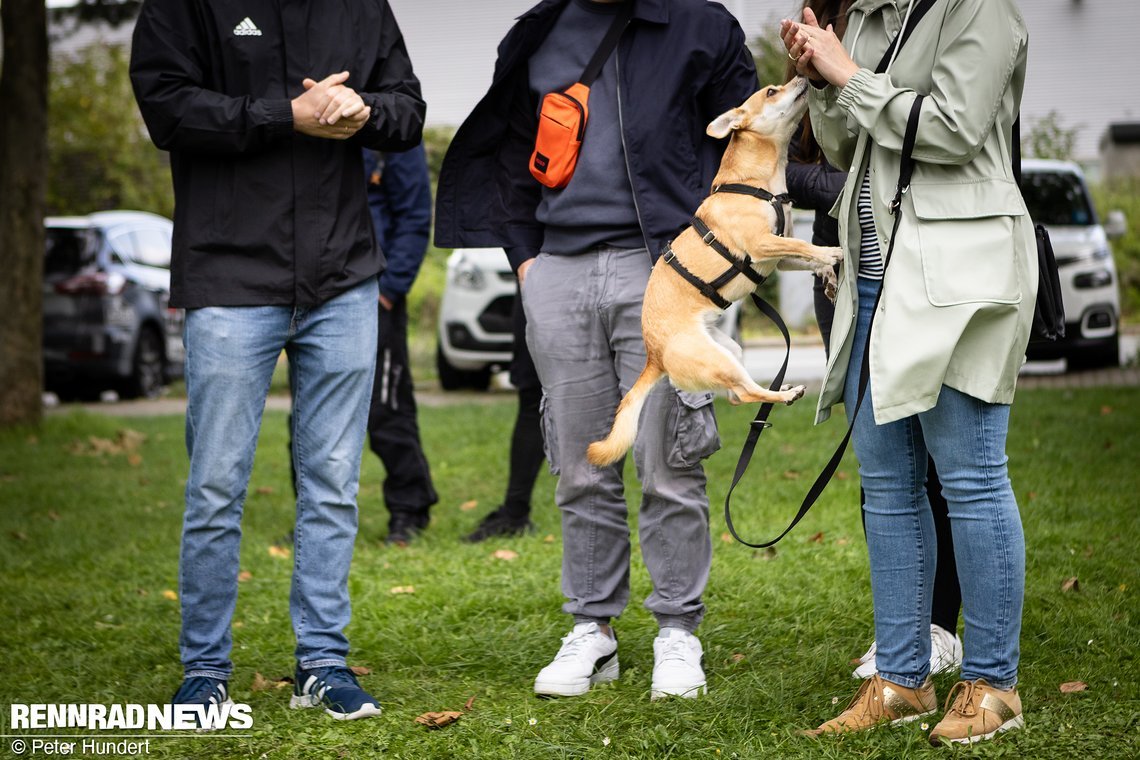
column 697, row 363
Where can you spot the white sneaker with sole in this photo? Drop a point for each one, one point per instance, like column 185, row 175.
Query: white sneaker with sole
column 677, row 670
column 588, row 656
column 945, row 654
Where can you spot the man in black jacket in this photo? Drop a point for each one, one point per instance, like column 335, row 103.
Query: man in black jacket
column 264, row 109
column 583, row 255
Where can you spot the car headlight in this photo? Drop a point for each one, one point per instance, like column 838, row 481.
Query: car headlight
column 1101, row 253
column 468, row 276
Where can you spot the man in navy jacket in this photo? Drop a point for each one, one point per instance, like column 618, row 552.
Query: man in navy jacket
column 399, row 197
column 583, row 256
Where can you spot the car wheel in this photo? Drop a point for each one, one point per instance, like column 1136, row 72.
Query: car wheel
column 1106, row 354
column 454, row 379
column 148, row 370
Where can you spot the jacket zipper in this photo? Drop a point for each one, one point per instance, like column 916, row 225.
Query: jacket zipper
column 625, row 151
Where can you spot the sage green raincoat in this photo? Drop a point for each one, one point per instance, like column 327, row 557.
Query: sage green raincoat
column 959, row 292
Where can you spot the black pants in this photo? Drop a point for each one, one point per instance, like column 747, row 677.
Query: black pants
column 393, row 432
column 526, row 439
column 947, row 591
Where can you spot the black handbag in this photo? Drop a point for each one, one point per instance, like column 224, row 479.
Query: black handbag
column 1049, row 312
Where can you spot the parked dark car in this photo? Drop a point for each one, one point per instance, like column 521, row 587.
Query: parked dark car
column 107, row 322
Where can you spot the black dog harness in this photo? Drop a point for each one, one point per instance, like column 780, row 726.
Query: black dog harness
column 738, row 267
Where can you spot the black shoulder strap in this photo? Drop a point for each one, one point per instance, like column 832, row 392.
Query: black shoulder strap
column 609, row 42
column 760, row 423
column 900, row 40
column 1016, row 148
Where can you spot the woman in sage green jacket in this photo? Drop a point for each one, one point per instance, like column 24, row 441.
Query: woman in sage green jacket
column 948, row 337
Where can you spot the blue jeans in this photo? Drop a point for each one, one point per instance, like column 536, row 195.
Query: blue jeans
column 966, row 438
column 231, row 353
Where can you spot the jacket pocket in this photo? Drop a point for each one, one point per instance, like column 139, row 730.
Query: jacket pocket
column 691, row 424
column 549, row 438
column 967, row 241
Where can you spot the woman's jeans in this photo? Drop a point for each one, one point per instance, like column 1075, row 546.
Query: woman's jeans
column 231, row 353
column 966, row 438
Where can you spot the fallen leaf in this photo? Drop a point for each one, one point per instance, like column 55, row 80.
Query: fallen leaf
column 260, row 683
column 105, row 626
column 142, row 592
column 1122, row 587
column 130, row 440
column 1073, row 686
column 468, row 703
column 53, row 515
column 841, row 475
column 8, row 478
column 1088, row 552
column 265, row 490
column 170, row 594
column 816, row 539
column 360, row 670
column 279, row 551
column 244, row 576
column 549, row 539
column 843, row 541
column 1031, row 495
column 438, row 719
column 738, row 657
column 506, row 555
column 19, row 535
column 468, row 505
column 134, row 459
column 1105, row 411
column 791, row 475
column 402, row 590
column 1071, row 584
column 767, row 553
column 726, row 537
column 239, row 624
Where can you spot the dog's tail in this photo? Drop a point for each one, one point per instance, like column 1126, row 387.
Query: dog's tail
column 614, row 446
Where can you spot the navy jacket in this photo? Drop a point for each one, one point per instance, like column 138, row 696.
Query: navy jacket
column 682, row 63
column 815, row 185
column 399, row 197
column 263, row 215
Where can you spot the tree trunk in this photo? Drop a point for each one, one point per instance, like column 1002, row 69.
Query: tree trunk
column 23, row 168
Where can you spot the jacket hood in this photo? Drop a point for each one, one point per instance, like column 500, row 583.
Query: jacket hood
column 654, row 11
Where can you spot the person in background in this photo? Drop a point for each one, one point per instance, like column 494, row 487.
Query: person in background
column 264, row 109
column 512, row 517
column 815, row 184
column 951, row 314
column 583, row 255
column 399, row 197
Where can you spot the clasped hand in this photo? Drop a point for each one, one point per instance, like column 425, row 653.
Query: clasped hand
column 818, row 53
column 329, row 109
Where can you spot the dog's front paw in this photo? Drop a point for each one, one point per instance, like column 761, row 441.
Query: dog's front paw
column 792, row 393
column 830, row 282
column 836, row 254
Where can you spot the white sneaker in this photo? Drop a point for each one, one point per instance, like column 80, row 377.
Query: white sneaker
column 945, row 654
column 677, row 668
column 588, row 656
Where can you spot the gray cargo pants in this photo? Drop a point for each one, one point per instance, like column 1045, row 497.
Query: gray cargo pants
column 584, row 332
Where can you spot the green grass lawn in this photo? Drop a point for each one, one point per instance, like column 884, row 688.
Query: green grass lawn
column 90, row 552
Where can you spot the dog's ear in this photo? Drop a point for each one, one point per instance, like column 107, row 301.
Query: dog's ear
column 725, row 123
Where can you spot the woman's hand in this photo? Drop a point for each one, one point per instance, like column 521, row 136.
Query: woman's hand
column 818, row 53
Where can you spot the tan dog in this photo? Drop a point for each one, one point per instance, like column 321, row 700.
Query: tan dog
column 676, row 319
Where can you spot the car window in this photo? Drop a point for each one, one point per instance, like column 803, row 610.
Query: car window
column 69, row 250
column 1056, row 198
column 152, row 247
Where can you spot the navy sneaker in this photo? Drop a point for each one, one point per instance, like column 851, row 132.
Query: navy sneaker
column 336, row 690
column 202, row 690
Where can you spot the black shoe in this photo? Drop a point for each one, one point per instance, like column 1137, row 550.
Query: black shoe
column 499, row 523
column 404, row 526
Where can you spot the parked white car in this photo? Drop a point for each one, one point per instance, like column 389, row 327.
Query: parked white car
column 1058, row 198
column 475, row 327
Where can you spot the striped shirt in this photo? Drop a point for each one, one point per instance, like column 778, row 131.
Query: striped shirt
column 870, row 258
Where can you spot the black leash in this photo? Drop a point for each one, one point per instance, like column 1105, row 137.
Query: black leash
column 761, row 422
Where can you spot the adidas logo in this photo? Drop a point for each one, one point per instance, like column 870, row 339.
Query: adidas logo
column 247, row 29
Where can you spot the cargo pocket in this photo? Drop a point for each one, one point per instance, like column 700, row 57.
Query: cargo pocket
column 549, row 439
column 692, row 430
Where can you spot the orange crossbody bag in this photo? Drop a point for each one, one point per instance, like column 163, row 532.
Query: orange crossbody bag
column 563, row 116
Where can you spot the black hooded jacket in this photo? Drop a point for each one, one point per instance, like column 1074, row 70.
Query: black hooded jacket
column 266, row 216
